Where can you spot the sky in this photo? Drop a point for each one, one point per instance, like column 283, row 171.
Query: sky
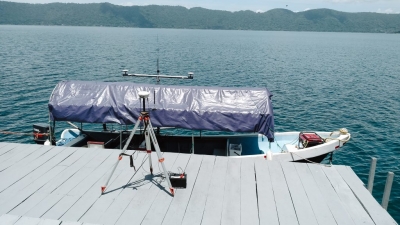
column 379, row 6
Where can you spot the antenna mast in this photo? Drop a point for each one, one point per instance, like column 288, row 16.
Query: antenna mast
column 158, row 56
column 158, row 75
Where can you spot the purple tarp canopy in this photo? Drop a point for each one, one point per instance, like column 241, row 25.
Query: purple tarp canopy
column 190, row 107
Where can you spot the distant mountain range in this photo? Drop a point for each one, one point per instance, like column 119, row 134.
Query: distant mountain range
column 154, row 16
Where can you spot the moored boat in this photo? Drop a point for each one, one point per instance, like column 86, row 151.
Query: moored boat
column 243, row 117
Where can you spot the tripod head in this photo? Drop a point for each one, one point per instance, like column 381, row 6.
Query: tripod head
column 144, row 95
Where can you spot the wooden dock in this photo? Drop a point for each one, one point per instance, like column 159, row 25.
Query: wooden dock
column 58, row 185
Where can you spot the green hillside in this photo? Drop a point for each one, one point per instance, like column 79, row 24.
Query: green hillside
column 153, row 16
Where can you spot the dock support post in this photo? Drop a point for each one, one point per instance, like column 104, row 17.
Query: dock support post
column 388, row 188
column 371, row 174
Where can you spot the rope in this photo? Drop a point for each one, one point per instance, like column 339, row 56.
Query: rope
column 22, row 133
column 292, row 142
column 342, row 131
column 326, row 165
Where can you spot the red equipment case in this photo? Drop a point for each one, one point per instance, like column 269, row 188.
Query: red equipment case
column 310, row 139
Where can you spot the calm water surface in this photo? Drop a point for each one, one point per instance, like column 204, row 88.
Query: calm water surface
column 320, row 81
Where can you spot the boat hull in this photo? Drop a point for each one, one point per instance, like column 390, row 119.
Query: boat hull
column 316, row 159
column 285, row 148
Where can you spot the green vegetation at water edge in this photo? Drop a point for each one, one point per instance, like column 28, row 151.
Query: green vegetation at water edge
column 153, row 16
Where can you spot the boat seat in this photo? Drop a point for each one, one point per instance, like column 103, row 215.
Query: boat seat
column 77, row 142
column 289, row 148
column 219, row 152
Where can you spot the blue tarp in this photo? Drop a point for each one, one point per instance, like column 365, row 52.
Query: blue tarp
column 190, row 107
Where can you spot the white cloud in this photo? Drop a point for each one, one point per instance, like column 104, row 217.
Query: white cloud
column 127, row 4
column 387, row 11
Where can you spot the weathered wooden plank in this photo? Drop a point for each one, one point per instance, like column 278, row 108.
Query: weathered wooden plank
column 115, row 210
column 353, row 206
column 7, row 219
column 89, row 190
column 81, row 206
column 137, row 209
column 76, row 223
column 16, row 154
column 40, row 151
column 78, row 160
column 267, row 211
column 94, row 203
column 28, row 204
column 134, row 184
column 43, row 206
column 374, row 209
column 177, row 208
column 302, row 206
column 330, row 196
column 3, row 144
column 158, row 208
column 350, row 170
column 9, row 177
column 197, row 201
column 231, row 205
column 84, row 167
column 284, row 204
column 100, row 172
column 49, row 222
column 147, row 200
column 37, row 151
column 32, row 200
column 10, row 202
column 215, row 195
column 42, row 175
column 7, row 148
column 9, row 152
column 59, row 208
column 29, row 191
column 140, row 184
column 27, row 221
column 112, row 192
column 163, row 200
column 320, row 208
column 66, row 202
column 71, row 223
column 248, row 192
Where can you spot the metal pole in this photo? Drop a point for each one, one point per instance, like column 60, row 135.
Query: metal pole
column 50, row 132
column 192, row 143
column 120, row 139
column 160, row 158
column 148, row 146
column 388, row 188
column 103, row 188
column 371, row 175
column 53, row 133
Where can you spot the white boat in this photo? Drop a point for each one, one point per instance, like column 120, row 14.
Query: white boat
column 242, row 116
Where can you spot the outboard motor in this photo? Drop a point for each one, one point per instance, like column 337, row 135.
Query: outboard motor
column 40, row 132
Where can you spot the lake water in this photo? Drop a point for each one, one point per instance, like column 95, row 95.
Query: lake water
column 320, row 81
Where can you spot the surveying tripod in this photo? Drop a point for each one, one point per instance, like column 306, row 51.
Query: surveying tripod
column 149, row 136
